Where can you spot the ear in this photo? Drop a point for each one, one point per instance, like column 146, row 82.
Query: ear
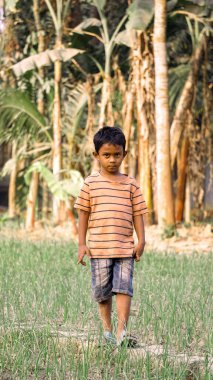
column 125, row 153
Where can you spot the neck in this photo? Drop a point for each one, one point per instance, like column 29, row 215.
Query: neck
column 110, row 175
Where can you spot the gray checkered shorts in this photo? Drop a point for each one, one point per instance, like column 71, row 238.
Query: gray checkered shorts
column 111, row 276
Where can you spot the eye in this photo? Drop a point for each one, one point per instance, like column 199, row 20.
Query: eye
column 117, row 154
column 106, row 155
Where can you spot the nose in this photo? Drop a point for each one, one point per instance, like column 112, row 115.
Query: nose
column 112, row 159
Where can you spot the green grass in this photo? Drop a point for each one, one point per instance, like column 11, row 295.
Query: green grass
column 43, row 291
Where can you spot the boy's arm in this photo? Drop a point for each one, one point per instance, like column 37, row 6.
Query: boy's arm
column 139, row 228
column 83, row 226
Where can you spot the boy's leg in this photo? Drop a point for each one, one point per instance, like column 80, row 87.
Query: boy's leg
column 122, row 286
column 102, row 274
column 123, row 303
column 105, row 310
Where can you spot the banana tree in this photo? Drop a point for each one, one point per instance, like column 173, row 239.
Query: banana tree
column 58, row 17
column 106, row 111
column 184, row 80
column 26, row 124
column 57, row 56
column 164, row 180
column 25, row 127
column 7, row 55
column 77, row 99
column 33, row 188
column 140, row 15
column 186, row 98
column 64, row 190
column 57, row 20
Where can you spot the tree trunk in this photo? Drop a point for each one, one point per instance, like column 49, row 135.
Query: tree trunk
column 164, row 180
column 45, row 200
column 144, row 169
column 57, row 157
column 187, row 205
column 74, row 228
column 185, row 101
column 90, row 115
column 148, row 85
column 181, row 181
column 90, row 123
column 130, row 94
column 127, row 128
column 106, row 113
column 127, row 92
column 31, row 201
column 132, row 156
column 12, row 187
column 127, row 120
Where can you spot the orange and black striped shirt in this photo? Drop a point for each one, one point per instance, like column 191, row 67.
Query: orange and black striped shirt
column 111, row 205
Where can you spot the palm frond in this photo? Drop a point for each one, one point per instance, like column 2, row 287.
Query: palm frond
column 61, row 189
column 45, row 58
column 8, row 167
column 19, row 117
column 75, row 106
column 177, row 79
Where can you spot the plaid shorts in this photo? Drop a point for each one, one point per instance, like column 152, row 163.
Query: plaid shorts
column 111, row 276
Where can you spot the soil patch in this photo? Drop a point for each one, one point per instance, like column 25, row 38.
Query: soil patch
column 197, row 238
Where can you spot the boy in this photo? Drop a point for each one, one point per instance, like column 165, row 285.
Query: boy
column 109, row 204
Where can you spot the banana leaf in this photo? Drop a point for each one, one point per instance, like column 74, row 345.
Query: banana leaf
column 61, row 189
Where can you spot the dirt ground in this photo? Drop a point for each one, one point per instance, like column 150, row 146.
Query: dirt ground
column 187, row 240
column 196, row 238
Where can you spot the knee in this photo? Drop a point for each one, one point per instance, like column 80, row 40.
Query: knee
column 105, row 302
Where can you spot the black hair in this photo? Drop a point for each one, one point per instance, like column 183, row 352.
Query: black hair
column 109, row 135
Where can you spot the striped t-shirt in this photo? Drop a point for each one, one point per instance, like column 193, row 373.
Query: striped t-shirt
column 112, row 205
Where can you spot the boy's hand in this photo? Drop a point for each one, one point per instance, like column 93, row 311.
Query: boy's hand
column 82, row 251
column 138, row 251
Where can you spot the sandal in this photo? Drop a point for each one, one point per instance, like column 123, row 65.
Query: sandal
column 109, row 338
column 127, row 340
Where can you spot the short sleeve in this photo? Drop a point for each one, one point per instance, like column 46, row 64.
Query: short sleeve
column 83, row 200
column 139, row 206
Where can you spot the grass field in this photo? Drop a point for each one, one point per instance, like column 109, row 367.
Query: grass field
column 45, row 295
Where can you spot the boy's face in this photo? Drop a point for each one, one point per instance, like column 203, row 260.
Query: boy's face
column 110, row 158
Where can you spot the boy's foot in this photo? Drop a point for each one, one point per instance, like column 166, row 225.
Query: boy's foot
column 127, row 340
column 109, row 338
